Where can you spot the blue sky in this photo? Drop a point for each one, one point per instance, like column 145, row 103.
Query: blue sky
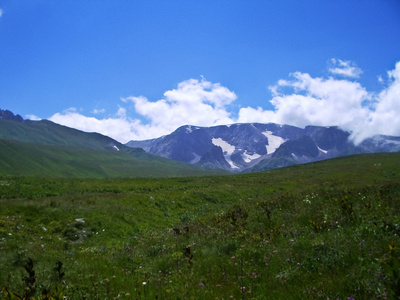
column 140, row 69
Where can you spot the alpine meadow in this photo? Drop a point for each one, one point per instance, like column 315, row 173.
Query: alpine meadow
column 328, row 229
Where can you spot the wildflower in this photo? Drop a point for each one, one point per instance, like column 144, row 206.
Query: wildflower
column 106, row 279
column 243, row 246
column 233, row 257
column 144, row 283
column 291, row 240
column 201, row 284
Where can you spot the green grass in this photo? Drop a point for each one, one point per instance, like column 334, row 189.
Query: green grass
column 316, row 231
column 24, row 159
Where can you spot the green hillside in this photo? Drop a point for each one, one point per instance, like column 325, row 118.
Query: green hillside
column 25, row 159
column 43, row 148
column 48, row 133
column 316, row 231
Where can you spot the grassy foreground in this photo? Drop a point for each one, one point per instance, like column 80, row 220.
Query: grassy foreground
column 316, row 231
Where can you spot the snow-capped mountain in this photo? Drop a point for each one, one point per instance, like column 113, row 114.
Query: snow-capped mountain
column 256, row 146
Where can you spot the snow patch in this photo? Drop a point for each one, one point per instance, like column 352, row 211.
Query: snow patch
column 195, row 159
column 324, row 151
column 227, row 150
column 249, row 157
column 116, row 148
column 189, row 129
column 273, row 141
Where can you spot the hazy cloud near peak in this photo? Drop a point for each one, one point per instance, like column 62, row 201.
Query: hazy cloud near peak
column 300, row 100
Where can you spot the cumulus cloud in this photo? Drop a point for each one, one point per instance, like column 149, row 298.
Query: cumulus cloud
column 344, row 68
column 305, row 100
column 117, row 127
column 384, row 115
column 197, row 102
column 193, row 102
column 315, row 101
column 300, row 100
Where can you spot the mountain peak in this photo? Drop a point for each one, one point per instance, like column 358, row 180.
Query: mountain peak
column 8, row 115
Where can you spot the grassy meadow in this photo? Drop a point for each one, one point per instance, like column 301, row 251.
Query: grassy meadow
column 326, row 230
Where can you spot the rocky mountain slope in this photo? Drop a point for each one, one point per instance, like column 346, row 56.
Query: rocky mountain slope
column 256, row 146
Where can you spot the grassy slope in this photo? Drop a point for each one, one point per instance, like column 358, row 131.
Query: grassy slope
column 48, row 133
column 321, row 230
column 43, row 148
column 24, row 159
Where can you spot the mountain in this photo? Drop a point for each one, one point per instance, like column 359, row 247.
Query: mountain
column 255, row 147
column 44, row 148
column 8, row 115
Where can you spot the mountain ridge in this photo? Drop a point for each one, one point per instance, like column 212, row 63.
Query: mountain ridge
column 241, row 147
column 248, row 147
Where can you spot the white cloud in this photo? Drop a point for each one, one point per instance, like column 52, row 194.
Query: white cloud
column 300, row 100
column 119, row 127
column 314, row 101
column 319, row 101
column 33, row 118
column 385, row 115
column 194, row 102
column 344, row 68
column 98, row 111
